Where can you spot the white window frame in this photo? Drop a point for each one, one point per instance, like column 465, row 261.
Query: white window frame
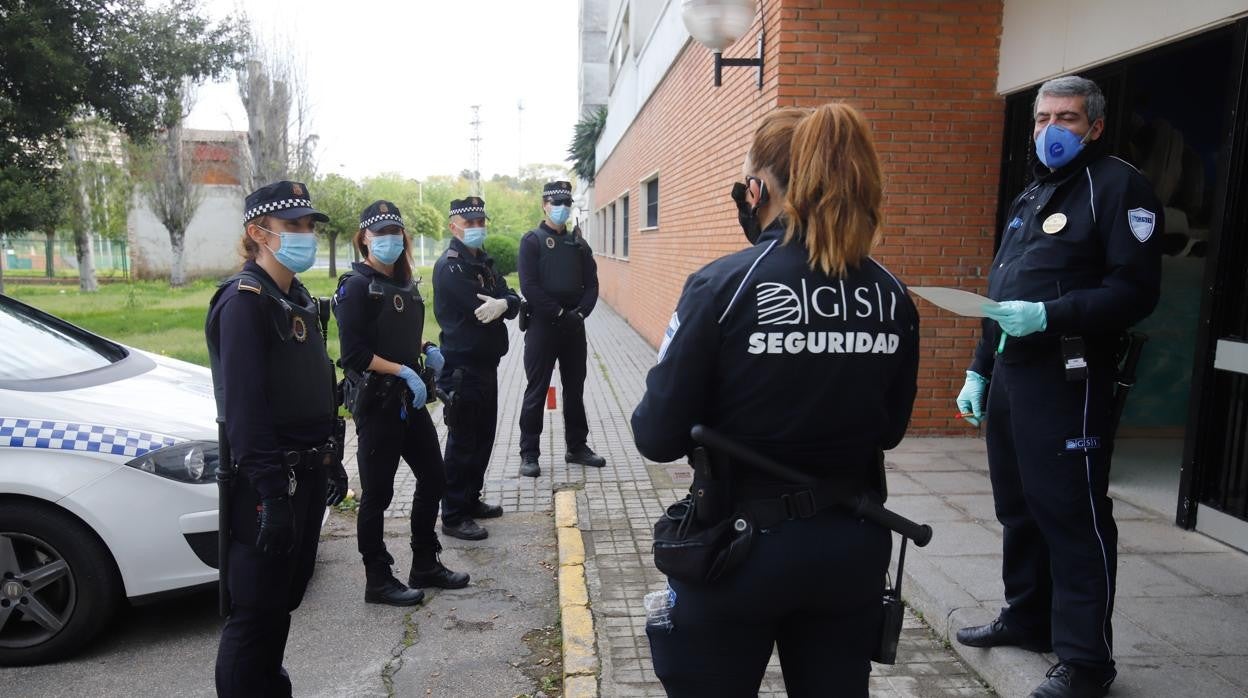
column 644, row 199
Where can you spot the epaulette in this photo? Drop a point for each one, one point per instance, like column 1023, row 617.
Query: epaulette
column 452, row 254
column 244, row 286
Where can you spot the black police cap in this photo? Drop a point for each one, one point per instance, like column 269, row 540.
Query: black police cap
column 381, row 214
column 286, row 200
column 558, row 192
column 471, row 208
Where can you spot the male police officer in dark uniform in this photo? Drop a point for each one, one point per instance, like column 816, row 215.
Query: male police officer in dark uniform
column 559, row 280
column 470, row 300
column 1079, row 263
column 274, row 385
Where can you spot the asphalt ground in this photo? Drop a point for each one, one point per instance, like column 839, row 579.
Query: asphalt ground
column 489, row 639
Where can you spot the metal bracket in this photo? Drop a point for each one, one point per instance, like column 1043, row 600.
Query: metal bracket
column 721, row 63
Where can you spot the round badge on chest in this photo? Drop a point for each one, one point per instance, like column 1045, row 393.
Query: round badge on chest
column 299, row 329
column 550, row 242
column 398, row 303
column 1054, row 223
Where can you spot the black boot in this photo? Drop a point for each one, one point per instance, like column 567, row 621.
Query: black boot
column 382, row 587
column 428, row 570
column 584, row 455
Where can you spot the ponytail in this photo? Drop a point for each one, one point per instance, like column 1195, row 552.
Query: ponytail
column 835, row 188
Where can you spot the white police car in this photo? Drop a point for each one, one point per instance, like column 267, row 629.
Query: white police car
column 107, row 481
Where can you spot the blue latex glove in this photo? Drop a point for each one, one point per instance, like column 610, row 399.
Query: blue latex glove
column 416, row 385
column 434, row 359
column 971, row 399
column 1018, row 318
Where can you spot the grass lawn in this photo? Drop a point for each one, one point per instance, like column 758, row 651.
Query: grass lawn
column 152, row 316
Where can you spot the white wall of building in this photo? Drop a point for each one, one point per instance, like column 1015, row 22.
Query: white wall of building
column 1041, row 40
column 212, row 239
column 648, row 61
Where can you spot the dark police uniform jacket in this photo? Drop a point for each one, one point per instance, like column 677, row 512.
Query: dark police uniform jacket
column 1097, row 272
column 458, row 276
column 378, row 315
column 557, row 273
column 269, row 359
column 815, row 371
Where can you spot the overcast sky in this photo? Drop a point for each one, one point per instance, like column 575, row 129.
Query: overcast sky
column 391, row 82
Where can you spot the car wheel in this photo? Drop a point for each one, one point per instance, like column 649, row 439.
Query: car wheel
column 58, row 584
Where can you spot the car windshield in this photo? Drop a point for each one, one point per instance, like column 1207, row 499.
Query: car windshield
column 36, row 345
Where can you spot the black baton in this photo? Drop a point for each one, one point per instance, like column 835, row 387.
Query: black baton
column 860, row 505
column 225, row 476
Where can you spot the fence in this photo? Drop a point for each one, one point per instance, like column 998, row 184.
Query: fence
column 425, row 251
column 59, row 257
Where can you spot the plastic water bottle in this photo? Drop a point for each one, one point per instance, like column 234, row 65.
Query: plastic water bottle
column 659, row 605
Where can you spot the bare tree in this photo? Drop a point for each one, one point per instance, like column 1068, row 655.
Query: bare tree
column 274, row 93
column 172, row 188
column 78, row 203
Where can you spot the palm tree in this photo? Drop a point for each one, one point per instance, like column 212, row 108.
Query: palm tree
column 585, row 141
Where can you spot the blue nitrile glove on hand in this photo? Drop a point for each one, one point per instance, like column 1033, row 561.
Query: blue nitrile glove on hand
column 415, row 384
column 434, row 359
column 1018, row 318
column 971, row 399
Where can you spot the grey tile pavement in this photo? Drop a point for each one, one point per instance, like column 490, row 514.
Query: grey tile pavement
column 618, row 504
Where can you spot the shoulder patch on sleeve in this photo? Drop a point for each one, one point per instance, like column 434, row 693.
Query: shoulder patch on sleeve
column 672, row 326
column 245, row 285
column 1142, row 222
column 452, row 254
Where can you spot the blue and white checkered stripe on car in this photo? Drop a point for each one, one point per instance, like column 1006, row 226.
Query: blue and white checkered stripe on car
column 71, row 436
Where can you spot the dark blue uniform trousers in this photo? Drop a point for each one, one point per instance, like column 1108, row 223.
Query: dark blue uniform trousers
column 264, row 590
column 544, row 344
column 811, row 587
column 383, row 439
column 471, row 427
column 1060, row 541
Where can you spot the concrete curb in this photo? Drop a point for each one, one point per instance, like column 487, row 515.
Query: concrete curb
column 580, row 653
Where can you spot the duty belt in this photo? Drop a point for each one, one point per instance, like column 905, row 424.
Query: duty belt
column 310, row 459
column 801, row 503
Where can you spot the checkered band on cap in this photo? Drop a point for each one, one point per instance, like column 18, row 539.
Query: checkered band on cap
column 467, row 209
column 552, row 193
column 272, row 206
column 398, row 220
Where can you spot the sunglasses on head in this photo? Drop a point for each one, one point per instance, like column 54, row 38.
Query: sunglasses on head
column 560, row 202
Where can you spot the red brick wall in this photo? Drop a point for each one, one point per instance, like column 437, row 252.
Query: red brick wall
column 923, row 72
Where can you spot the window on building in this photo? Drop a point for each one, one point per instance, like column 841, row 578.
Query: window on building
column 619, row 51
column 612, row 227
column 624, row 226
column 650, row 201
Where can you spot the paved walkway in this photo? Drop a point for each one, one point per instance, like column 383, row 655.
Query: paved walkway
column 617, row 508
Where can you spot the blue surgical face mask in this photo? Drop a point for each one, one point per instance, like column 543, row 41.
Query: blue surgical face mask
column 298, row 250
column 1056, row 146
column 386, row 248
column 559, row 214
column 474, row 237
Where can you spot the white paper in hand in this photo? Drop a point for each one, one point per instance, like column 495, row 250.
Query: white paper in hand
column 954, row 300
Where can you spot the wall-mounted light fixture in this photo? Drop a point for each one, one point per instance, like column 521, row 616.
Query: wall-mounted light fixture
column 717, row 24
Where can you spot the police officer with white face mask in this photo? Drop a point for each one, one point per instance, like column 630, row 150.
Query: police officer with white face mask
column 1079, row 263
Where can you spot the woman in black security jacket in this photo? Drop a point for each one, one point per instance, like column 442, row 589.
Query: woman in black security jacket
column 381, row 317
column 804, row 348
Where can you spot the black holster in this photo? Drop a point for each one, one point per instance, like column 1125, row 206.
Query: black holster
column 371, row 392
column 526, row 316
column 699, row 540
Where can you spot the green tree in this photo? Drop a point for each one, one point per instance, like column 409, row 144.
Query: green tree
column 585, row 135
column 505, row 250
column 341, row 199
column 425, row 220
column 121, row 61
column 30, row 199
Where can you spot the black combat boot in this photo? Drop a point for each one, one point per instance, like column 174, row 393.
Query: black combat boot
column 382, row 587
column 428, row 570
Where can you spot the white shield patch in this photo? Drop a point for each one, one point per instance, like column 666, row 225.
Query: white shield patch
column 1142, row 221
column 672, row 327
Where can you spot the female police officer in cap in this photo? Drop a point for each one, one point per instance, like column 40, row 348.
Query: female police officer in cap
column 805, row 349
column 275, row 391
column 381, row 317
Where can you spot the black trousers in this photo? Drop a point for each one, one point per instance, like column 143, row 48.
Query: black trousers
column 1060, row 541
column 471, row 426
column 544, row 344
column 384, row 438
column 811, row 587
column 265, row 589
